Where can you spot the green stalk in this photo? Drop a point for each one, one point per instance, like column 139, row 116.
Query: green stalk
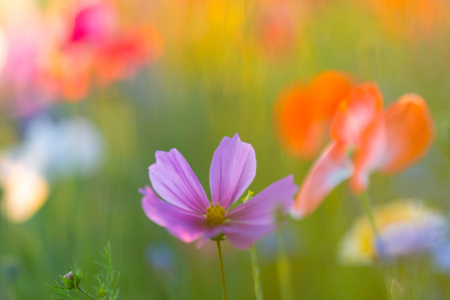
column 367, row 205
column 86, row 293
column 224, row 289
column 284, row 276
column 255, row 269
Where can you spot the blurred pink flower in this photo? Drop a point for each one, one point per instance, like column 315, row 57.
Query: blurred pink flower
column 187, row 212
column 93, row 24
column 96, row 47
column 26, row 41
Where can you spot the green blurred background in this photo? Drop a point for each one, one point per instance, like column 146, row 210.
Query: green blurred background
column 215, row 78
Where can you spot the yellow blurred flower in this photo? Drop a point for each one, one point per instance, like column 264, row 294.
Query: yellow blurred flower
column 215, row 35
column 24, row 191
column 404, row 224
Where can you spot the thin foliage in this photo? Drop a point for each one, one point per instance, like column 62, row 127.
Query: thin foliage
column 107, row 282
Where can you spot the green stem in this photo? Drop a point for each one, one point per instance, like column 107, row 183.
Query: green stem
column 224, row 288
column 365, row 199
column 256, row 280
column 284, row 276
column 414, row 283
column 86, row 293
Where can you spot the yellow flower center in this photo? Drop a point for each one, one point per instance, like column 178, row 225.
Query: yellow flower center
column 215, row 215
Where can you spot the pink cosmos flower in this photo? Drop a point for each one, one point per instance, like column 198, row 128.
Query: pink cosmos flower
column 189, row 215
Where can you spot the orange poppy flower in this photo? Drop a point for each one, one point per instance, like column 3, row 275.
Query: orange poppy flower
column 303, row 113
column 366, row 139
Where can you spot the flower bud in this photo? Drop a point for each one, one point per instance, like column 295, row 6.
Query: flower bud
column 71, row 279
column 69, row 276
column 396, row 290
column 101, row 292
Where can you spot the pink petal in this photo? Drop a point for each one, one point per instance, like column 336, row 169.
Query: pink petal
column 232, row 170
column 261, row 209
column 173, row 179
column 243, row 235
column 369, row 156
column 185, row 225
column 328, row 171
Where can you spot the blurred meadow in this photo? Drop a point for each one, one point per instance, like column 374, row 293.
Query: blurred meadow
column 80, row 124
